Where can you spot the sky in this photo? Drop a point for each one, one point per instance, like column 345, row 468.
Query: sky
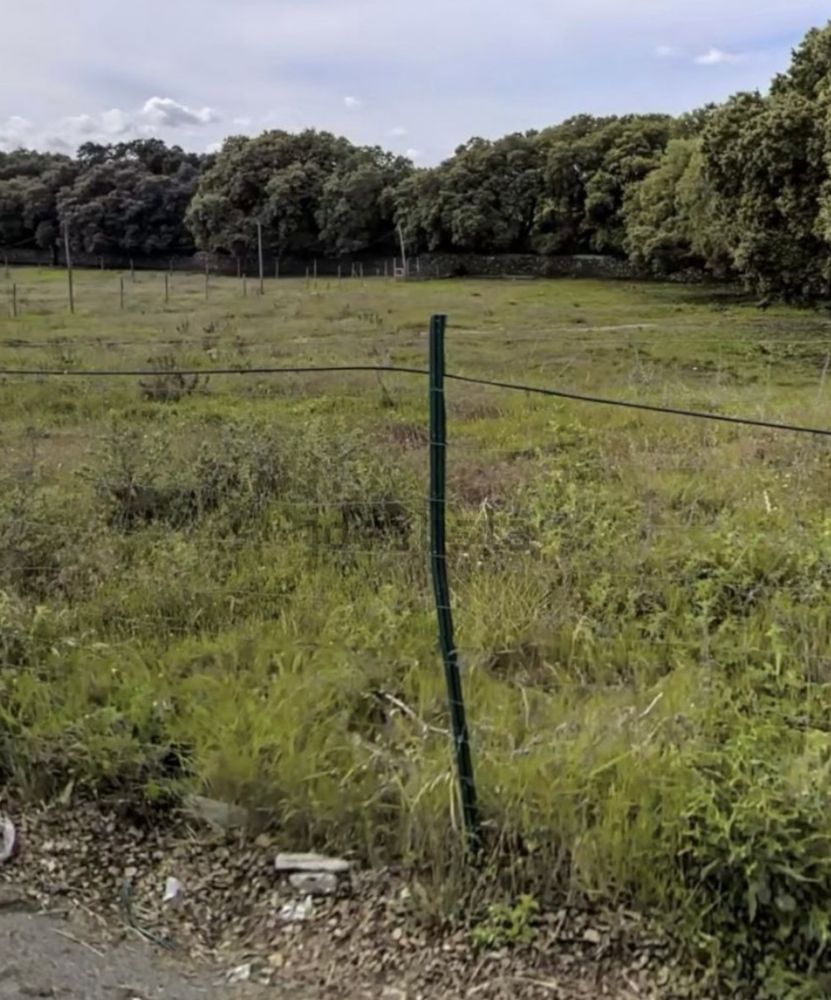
column 415, row 76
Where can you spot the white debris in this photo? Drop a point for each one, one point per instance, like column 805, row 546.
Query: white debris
column 241, row 974
column 314, row 863
column 8, row 839
column 298, row 911
column 172, row 890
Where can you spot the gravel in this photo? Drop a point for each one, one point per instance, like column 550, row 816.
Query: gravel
column 225, row 929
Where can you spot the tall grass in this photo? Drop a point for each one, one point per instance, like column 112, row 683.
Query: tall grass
column 226, row 590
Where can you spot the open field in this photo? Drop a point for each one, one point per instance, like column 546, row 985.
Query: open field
column 222, row 584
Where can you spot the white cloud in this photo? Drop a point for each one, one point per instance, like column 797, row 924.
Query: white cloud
column 398, row 132
column 244, row 122
column 667, row 52
column 167, row 113
column 414, row 154
column 351, row 103
column 500, row 67
column 717, row 57
column 80, row 124
column 157, row 115
column 115, row 121
column 15, row 132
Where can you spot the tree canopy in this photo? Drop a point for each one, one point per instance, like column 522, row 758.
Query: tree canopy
column 312, row 193
column 740, row 189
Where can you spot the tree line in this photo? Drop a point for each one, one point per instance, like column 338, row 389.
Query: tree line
column 739, row 190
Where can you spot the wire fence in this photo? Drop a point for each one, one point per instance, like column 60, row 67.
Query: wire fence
column 326, row 507
column 133, row 292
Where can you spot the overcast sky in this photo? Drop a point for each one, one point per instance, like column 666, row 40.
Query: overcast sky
column 417, row 76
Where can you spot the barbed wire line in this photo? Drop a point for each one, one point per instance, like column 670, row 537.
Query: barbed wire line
column 423, row 372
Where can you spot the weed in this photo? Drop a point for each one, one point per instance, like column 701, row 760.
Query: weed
column 506, row 926
column 230, row 593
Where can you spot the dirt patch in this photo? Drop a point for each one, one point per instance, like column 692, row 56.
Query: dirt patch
column 473, row 408
column 71, row 959
column 475, row 485
column 367, row 941
column 407, row 436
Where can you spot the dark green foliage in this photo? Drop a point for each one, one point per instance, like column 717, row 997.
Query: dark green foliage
column 590, row 164
column 754, row 850
column 312, row 192
column 741, row 190
column 482, row 200
column 749, row 191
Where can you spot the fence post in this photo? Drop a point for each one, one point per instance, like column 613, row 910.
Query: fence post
column 68, row 253
column 441, row 587
column 260, row 256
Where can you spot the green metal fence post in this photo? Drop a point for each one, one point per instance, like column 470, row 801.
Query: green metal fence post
column 441, row 587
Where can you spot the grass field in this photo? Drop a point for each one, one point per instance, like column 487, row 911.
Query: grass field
column 222, row 584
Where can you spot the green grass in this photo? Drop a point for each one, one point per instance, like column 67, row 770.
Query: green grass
column 229, row 591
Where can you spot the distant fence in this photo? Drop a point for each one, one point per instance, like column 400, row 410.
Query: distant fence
column 429, row 265
column 219, row 264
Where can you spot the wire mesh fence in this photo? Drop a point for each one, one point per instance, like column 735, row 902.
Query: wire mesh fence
column 160, row 518
column 44, row 293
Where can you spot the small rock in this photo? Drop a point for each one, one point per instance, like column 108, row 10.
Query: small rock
column 241, row 974
column 276, row 960
column 315, row 883
column 314, row 863
column 592, row 936
column 222, row 816
column 8, row 839
column 298, row 911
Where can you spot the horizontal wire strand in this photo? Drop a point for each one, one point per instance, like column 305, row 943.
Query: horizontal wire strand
column 401, row 370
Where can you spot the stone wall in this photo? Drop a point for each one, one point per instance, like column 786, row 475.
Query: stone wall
column 435, row 265
column 527, row 266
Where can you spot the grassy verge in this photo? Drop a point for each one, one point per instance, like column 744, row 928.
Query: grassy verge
column 225, row 588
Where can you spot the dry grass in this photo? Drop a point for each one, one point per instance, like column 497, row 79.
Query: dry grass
column 227, row 588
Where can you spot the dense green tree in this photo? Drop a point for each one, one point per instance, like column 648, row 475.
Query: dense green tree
column 357, row 203
column 766, row 159
column 312, row 193
column 670, row 222
column 743, row 188
column 482, row 200
column 29, row 187
column 119, row 206
column 590, row 165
